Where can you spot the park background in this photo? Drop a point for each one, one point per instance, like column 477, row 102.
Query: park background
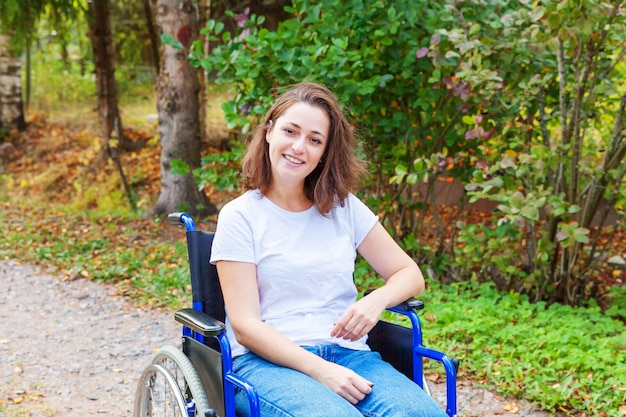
column 495, row 133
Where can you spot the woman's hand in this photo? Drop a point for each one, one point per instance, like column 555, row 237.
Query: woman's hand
column 358, row 319
column 344, row 382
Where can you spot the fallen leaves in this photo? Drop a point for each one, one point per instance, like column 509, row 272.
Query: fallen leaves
column 512, row 408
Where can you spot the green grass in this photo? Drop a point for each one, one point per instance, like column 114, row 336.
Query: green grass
column 120, row 249
column 559, row 357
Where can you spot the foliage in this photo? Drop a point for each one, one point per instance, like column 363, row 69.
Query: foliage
column 560, row 357
column 366, row 52
column 220, row 169
column 518, row 101
column 556, row 107
column 20, row 18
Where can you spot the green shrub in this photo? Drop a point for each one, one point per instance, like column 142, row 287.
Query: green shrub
column 366, row 52
column 552, row 88
column 521, row 101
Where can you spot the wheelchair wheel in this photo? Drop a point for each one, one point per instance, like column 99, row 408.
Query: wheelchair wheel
column 185, row 375
column 426, row 386
column 158, row 394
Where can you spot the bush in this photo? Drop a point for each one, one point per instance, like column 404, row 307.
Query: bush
column 406, row 111
column 555, row 105
column 521, row 102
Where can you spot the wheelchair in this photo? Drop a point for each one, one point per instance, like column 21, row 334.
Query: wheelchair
column 198, row 379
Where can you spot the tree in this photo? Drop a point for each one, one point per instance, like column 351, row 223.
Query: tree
column 12, row 35
column 101, row 37
column 178, row 106
column 18, row 19
column 11, row 105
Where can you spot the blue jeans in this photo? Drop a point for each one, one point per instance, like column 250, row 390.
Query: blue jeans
column 284, row 392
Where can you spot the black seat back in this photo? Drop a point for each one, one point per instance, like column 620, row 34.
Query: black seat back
column 205, row 285
column 395, row 345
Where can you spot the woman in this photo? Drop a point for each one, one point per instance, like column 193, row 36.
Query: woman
column 285, row 253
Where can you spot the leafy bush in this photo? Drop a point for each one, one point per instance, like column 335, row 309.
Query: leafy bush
column 553, row 95
column 365, row 51
column 521, row 101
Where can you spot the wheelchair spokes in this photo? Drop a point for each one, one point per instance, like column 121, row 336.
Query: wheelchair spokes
column 184, row 376
column 159, row 395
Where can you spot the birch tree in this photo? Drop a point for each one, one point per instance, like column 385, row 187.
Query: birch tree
column 11, row 105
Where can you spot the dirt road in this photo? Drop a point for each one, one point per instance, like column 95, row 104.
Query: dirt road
column 74, row 348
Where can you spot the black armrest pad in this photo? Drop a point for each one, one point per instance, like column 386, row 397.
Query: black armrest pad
column 199, row 321
column 410, row 304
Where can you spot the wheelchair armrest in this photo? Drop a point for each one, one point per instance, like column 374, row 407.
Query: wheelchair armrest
column 199, row 321
column 410, row 304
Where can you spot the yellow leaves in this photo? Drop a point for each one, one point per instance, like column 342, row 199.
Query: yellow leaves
column 512, row 408
column 622, row 409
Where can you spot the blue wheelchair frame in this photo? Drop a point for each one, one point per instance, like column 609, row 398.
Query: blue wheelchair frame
column 205, row 322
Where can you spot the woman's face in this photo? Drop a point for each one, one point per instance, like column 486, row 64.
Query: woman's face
column 297, row 140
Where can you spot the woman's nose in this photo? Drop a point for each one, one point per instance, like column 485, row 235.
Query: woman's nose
column 298, row 145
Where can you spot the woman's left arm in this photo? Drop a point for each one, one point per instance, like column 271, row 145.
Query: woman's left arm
column 403, row 280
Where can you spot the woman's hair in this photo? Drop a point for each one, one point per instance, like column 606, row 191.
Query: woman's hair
column 340, row 169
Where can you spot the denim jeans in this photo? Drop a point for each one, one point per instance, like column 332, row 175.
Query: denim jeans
column 284, row 392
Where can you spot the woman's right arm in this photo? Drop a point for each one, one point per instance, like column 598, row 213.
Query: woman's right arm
column 241, row 297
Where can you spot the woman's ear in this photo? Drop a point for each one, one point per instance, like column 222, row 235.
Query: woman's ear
column 268, row 131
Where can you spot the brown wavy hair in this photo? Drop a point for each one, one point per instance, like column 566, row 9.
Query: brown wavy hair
column 340, row 170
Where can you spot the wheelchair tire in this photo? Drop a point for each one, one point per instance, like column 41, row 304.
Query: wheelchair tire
column 185, row 375
column 158, row 394
column 426, row 386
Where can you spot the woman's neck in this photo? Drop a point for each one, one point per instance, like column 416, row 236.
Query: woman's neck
column 290, row 199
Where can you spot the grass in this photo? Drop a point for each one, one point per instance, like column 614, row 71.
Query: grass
column 564, row 359
column 560, row 357
column 121, row 249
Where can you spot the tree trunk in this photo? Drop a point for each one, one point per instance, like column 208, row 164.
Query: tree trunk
column 178, row 106
column 154, row 39
column 204, row 10
column 11, row 105
column 104, row 63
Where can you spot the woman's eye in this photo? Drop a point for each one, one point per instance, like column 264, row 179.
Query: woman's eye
column 316, row 141
column 289, row 131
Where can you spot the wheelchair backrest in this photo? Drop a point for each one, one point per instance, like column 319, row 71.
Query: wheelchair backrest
column 205, row 285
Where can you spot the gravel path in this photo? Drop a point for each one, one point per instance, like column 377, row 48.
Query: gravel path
column 74, row 348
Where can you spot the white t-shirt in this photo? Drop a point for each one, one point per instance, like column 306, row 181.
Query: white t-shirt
column 304, row 262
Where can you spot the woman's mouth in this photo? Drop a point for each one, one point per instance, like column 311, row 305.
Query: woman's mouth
column 293, row 160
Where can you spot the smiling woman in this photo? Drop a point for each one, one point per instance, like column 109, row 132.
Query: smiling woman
column 285, row 251
column 297, row 142
column 339, row 170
